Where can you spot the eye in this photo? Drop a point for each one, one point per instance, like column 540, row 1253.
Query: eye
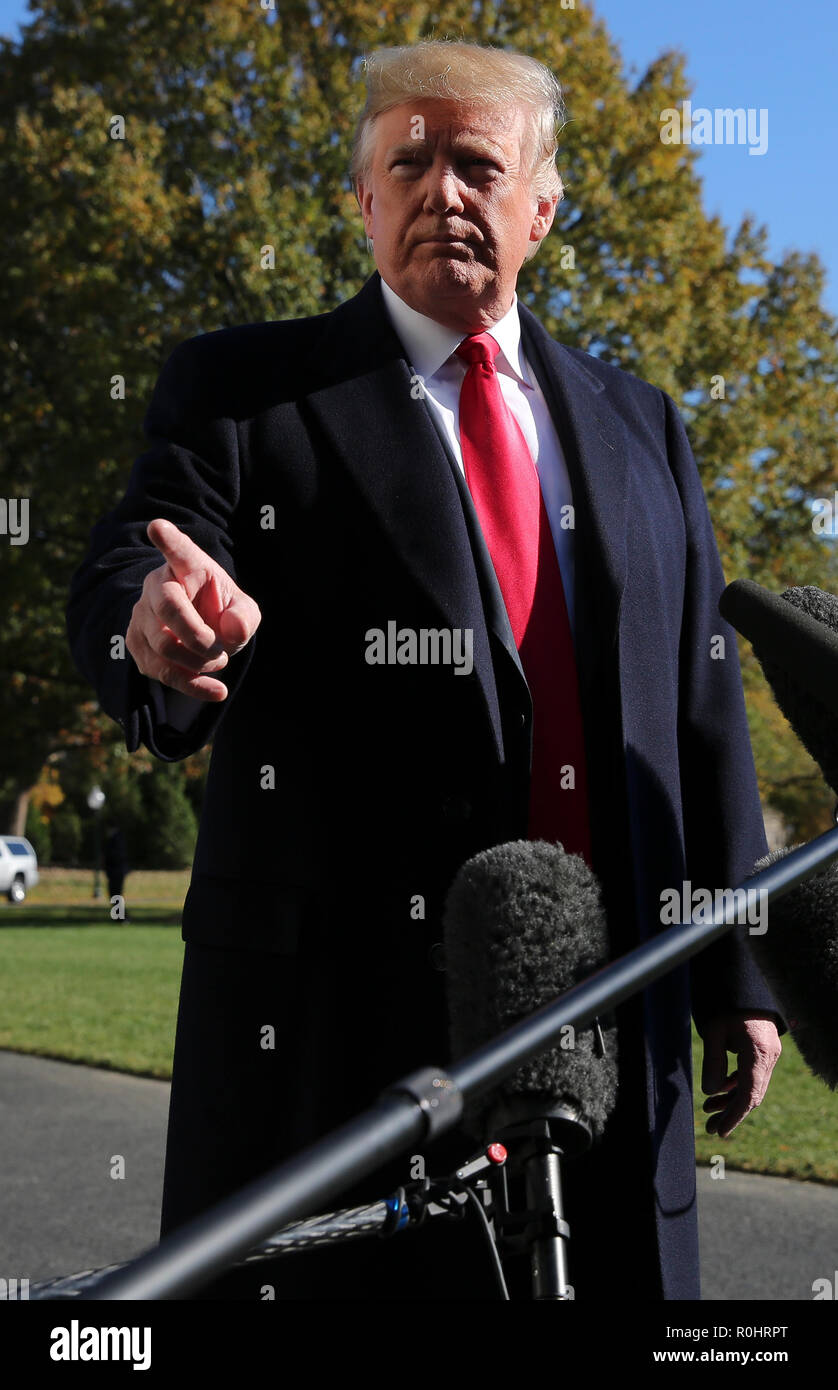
column 477, row 160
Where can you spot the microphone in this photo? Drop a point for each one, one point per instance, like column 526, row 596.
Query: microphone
column 795, row 639
column 798, row 955
column 524, row 922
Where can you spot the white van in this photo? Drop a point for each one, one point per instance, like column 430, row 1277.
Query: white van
column 18, row 867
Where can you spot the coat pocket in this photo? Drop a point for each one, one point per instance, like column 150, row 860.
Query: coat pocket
column 244, row 913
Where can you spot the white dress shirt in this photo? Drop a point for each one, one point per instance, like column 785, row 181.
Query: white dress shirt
column 429, row 347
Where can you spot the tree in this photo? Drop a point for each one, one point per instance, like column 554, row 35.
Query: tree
column 169, row 823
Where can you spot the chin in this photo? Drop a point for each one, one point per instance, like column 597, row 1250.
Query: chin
column 454, row 271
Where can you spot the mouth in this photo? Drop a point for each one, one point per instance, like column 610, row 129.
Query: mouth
column 448, row 240
column 451, row 243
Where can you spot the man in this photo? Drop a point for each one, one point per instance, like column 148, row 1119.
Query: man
column 313, row 485
column 116, row 860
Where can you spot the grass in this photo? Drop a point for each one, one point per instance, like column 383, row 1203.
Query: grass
column 74, row 888
column 76, row 985
column 103, row 995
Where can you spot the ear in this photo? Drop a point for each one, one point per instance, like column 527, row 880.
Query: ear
column 363, row 194
column 543, row 219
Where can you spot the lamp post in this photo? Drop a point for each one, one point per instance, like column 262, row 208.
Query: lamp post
column 96, row 800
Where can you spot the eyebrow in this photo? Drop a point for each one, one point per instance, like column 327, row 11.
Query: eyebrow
column 465, row 143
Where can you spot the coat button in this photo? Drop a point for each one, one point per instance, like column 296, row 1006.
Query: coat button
column 436, row 956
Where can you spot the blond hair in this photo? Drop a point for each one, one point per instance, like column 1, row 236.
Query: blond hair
column 476, row 73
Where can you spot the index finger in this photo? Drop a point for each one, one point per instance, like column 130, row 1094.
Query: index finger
column 183, row 555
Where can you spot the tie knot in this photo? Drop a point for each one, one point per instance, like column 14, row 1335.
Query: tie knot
column 478, row 347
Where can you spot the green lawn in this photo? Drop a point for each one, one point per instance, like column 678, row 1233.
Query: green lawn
column 74, row 984
column 74, row 888
column 77, row 985
column 104, row 995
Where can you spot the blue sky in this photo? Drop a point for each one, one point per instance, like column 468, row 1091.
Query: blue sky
column 763, row 54
column 770, row 54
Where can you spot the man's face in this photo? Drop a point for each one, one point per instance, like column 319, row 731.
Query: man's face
column 449, row 208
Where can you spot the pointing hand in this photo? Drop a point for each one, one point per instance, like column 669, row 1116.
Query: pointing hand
column 190, row 618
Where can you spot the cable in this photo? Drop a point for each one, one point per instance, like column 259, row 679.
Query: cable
column 487, row 1232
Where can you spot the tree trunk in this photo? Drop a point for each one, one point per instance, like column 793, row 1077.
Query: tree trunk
column 19, row 808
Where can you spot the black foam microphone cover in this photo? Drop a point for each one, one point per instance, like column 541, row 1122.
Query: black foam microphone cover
column 795, row 640
column 524, row 922
column 798, row 955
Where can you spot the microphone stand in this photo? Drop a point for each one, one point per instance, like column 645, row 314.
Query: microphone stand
column 542, row 1166
column 536, row 1147
column 541, row 1227
column 474, row 1184
column 427, row 1103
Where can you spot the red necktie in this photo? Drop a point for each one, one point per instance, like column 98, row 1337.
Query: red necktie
column 504, row 484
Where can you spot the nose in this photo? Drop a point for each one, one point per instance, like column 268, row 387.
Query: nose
column 443, row 190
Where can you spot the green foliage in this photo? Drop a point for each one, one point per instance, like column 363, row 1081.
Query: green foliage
column 66, row 831
column 170, row 825
column 39, row 835
column 238, row 125
column 153, row 803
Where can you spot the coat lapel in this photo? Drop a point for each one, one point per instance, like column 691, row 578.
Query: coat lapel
column 380, row 427
column 404, row 469
column 597, row 449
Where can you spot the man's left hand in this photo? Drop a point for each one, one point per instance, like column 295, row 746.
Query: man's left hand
column 754, row 1039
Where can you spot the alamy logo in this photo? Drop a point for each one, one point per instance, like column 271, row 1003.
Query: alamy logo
column 424, row 646
column 14, row 519
column 13, row 1289
column 747, row 906
column 724, row 125
column 77, row 1343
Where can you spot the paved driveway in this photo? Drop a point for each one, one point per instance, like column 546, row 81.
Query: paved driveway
column 64, row 1130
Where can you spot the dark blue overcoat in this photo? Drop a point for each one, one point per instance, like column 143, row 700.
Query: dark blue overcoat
column 301, row 457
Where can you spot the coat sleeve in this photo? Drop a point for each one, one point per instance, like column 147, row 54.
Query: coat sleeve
column 724, row 833
column 189, row 475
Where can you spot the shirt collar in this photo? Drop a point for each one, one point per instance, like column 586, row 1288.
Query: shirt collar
column 429, row 344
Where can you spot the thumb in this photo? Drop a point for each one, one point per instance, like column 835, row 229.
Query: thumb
column 232, row 614
column 237, row 621
column 233, row 628
column 714, row 1064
